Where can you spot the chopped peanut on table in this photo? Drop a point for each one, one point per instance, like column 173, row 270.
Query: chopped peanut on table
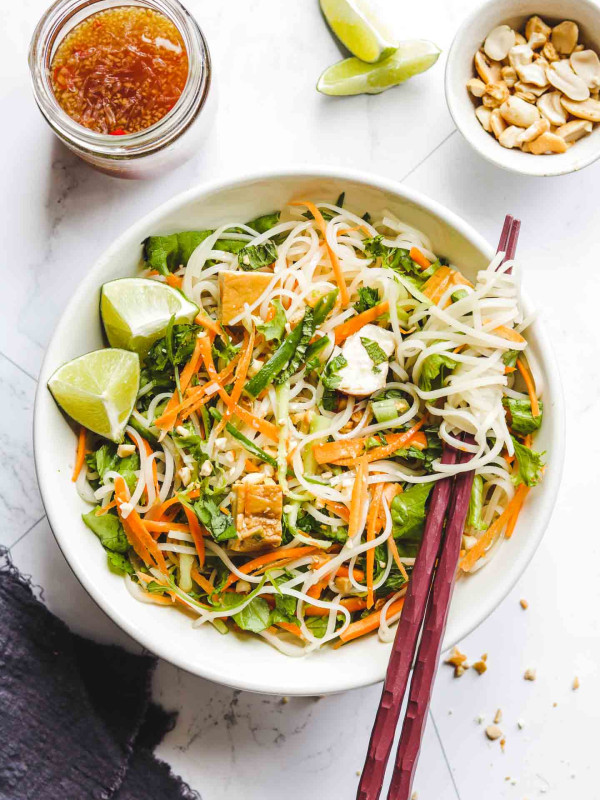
column 539, row 92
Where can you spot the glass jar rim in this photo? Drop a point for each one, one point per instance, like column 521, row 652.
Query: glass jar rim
column 49, row 32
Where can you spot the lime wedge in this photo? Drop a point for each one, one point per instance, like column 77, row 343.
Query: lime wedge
column 136, row 312
column 98, row 390
column 355, row 25
column 353, row 76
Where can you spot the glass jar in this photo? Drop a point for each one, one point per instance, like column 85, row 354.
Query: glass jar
column 146, row 153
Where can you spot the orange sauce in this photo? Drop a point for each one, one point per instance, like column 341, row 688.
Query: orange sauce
column 120, row 70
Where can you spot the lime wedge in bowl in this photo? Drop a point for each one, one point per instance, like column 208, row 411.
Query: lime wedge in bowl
column 356, row 26
column 353, row 76
column 136, row 312
column 98, row 390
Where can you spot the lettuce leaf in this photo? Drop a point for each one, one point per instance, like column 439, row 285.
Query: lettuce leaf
column 521, row 418
column 408, row 511
column 529, row 463
column 275, row 328
column 434, row 369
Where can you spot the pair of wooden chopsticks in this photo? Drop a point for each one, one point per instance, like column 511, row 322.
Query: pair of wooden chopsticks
column 425, row 609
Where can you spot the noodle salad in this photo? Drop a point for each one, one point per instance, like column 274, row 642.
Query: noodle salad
column 274, row 473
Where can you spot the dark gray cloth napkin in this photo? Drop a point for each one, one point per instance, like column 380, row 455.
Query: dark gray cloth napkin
column 76, row 719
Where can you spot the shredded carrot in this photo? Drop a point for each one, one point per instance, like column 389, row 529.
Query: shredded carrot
column 508, row 333
column 202, row 581
column 339, row 509
column 281, row 554
column 386, row 450
column 196, row 532
column 290, row 627
column 357, row 322
column 80, row 454
column 155, row 526
column 250, row 466
column 148, row 452
column 102, row 510
column 344, row 572
column 479, row 549
column 335, row 264
column 344, row 449
column 418, row 257
column 174, row 280
column 316, row 589
column 240, row 379
column 352, row 604
column 522, row 492
column 136, row 531
column 434, row 286
column 396, row 557
column 158, row 509
column 359, row 495
column 208, row 323
column 529, row 383
column 372, row 523
column 368, row 624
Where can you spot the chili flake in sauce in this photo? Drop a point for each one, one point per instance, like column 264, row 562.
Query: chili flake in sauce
column 120, row 70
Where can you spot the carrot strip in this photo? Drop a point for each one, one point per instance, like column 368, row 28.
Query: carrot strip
column 339, row 509
column 174, row 280
column 202, row 581
column 352, row 604
column 196, row 532
column 396, row 557
column 359, row 495
column 385, row 450
column 335, row 264
column 432, row 285
column 508, row 333
column 250, row 466
column 240, row 379
column 268, row 558
column 136, row 531
column 195, row 398
column 101, row 511
column 344, row 572
column 354, row 324
column 335, row 452
column 529, row 383
column 372, row 523
column 208, row 323
column 368, row 624
column 418, row 257
column 316, row 589
column 80, row 454
column 155, row 526
column 522, row 491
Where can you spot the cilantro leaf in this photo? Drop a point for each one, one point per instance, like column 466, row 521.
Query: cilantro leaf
column 219, row 524
column 330, row 378
column 368, row 297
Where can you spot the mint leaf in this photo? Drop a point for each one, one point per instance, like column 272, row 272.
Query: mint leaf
column 374, row 351
column 252, row 257
column 368, row 297
column 275, row 328
column 330, row 378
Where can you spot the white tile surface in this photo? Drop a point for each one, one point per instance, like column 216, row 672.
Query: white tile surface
column 58, row 217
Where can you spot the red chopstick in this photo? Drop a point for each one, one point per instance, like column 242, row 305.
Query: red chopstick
column 413, row 612
column 439, row 601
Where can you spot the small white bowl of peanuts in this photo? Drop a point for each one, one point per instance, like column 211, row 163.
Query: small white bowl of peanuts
column 523, row 84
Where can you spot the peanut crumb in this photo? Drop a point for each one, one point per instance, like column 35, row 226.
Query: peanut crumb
column 576, row 683
column 414, row 796
column 457, row 660
column 480, row 667
column 554, row 705
column 520, row 724
column 524, row 604
column 530, row 674
column 493, row 732
column 502, row 744
column 498, row 717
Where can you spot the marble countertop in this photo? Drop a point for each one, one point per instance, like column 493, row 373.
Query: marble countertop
column 59, row 215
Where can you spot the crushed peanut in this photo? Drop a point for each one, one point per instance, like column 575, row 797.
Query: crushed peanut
column 576, row 683
column 457, row 660
column 524, row 604
column 493, row 732
column 481, row 666
column 498, row 716
column 530, row 675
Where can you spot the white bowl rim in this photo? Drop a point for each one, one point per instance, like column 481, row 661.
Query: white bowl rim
column 91, row 280
column 502, row 160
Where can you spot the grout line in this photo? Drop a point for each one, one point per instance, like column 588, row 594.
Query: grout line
column 423, row 160
column 23, row 535
column 19, row 367
column 437, row 733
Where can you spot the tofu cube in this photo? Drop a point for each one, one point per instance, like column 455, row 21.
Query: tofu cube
column 257, row 512
column 239, row 288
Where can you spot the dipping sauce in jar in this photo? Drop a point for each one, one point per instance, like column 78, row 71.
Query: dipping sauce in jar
column 120, row 70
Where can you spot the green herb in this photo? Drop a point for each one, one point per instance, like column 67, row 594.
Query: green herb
column 224, row 350
column 285, row 609
column 474, row 518
column 434, row 370
column 256, row 256
column 166, row 254
column 192, row 443
column 265, row 222
column 105, row 459
column 170, row 352
column 529, row 464
column 119, row 564
column 394, row 581
column 317, row 626
column 521, row 417
column 399, row 260
column 108, row 529
column 368, row 297
column 408, row 511
column 219, row 525
column 325, row 212
column 324, row 306
column 330, row 377
column 306, row 523
column 313, row 350
column 374, row 351
column 329, row 401
column 275, row 328
column 254, row 617
column 252, row 448
column 298, row 358
column 143, row 431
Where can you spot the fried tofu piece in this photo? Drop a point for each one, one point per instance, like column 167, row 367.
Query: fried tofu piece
column 257, row 512
column 239, row 288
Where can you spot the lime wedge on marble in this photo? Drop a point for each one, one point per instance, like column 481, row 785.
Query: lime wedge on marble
column 98, row 390
column 353, row 76
column 136, row 312
column 356, row 26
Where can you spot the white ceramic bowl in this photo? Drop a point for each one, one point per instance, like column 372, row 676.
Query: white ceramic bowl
column 459, row 68
column 249, row 663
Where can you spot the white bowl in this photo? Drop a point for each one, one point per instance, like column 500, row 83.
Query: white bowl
column 249, row 663
column 459, row 69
